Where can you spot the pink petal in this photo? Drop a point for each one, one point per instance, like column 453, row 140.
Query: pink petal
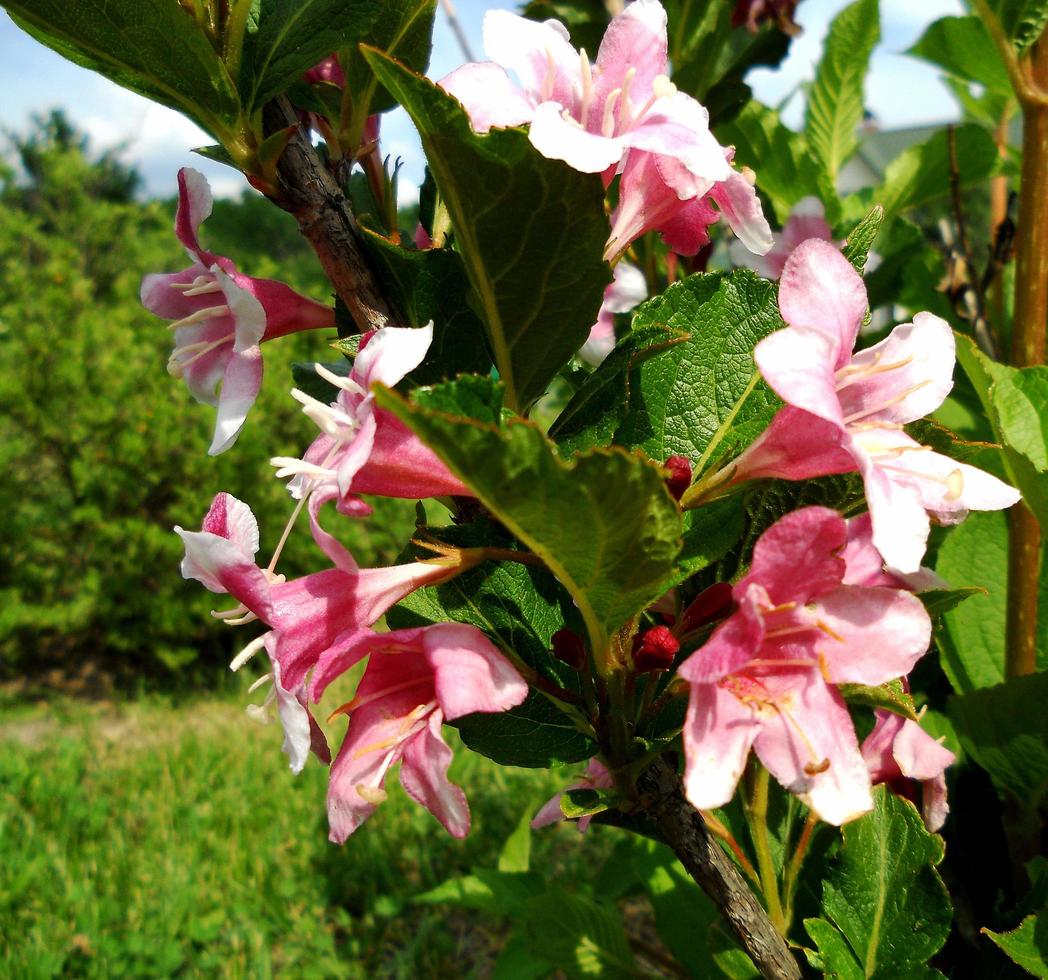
column 424, row 776
column 470, row 673
column 806, row 704
column 627, row 289
column 718, row 733
column 232, row 519
column 158, row 296
column 550, row 812
column 557, row 138
column 924, row 353
column 302, row 734
column 865, row 566
column 601, row 340
column 286, row 311
column 220, row 566
column 390, row 354
column 328, row 543
column 918, row 754
column 240, row 386
column 248, row 314
column 356, row 453
column 539, row 54
column 820, row 289
column 877, row 747
column 488, row 95
column 871, row 635
column 348, row 649
column 635, row 39
column 194, row 207
column 934, row 807
column 799, row 556
column 737, row 198
column 733, row 644
column 678, row 127
column 202, row 372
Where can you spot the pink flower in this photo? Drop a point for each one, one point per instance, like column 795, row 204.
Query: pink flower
column 309, row 616
column 846, row 412
column 898, row 751
column 622, row 111
column 624, row 292
column 415, row 680
column 221, row 316
column 806, row 221
column 361, row 448
column 327, row 71
column 865, row 566
column 595, row 777
column 765, row 679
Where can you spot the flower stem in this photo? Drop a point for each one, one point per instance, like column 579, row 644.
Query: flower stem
column 793, row 870
column 1028, row 348
column 758, row 814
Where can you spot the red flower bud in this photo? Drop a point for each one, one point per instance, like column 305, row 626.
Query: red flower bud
column 569, row 648
column 654, row 649
column 707, row 607
column 679, row 478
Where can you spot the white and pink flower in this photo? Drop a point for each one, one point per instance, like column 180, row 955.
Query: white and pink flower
column 221, row 316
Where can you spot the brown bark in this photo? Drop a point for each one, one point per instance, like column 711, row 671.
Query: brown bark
column 683, row 828
column 309, row 192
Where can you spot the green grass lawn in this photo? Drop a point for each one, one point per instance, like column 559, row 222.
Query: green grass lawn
column 151, row 840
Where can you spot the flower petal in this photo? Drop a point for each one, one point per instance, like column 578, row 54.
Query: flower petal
column 489, row 96
column 560, row 138
column 470, row 673
column 735, row 642
column 798, row 365
column 240, row 386
column 194, row 207
column 635, row 39
column 424, row 776
column 390, row 354
column 820, row 289
column 738, row 201
column 538, row 53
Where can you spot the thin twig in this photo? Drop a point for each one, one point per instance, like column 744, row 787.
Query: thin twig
column 456, row 28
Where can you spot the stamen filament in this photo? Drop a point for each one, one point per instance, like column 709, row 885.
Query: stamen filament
column 207, row 313
column 873, row 410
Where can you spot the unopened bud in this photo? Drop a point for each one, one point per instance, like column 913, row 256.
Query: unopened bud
column 654, row 649
column 679, row 478
column 707, row 607
column 569, row 648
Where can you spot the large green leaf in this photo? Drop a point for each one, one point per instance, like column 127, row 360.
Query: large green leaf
column 963, row 47
column 404, row 30
column 153, row 47
column 975, row 554
column 922, row 173
column 1020, row 417
column 705, row 390
column 883, row 892
column 1023, row 20
column 531, row 231
column 835, row 101
column 1005, row 729
column 1026, row 945
column 786, row 170
column 287, row 37
column 604, row 523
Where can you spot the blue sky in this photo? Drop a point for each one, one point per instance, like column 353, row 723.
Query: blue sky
column 900, row 91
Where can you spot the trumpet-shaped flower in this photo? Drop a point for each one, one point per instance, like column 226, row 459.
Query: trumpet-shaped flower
column 308, row 616
column 414, row 681
column 765, row 680
column 902, row 754
column 221, row 316
column 622, row 111
column 595, row 777
column 361, row 448
column 846, row 412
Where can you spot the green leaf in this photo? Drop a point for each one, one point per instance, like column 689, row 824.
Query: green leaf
column 857, row 248
column 583, row 937
column 1020, row 417
column 604, row 523
column 597, row 409
column 1005, row 729
column 1023, row 20
column 710, row 532
column 786, row 168
column 834, row 958
column 290, row 36
column 963, row 47
column 516, row 852
column 582, row 802
column 496, row 892
column 1026, row 945
column 153, row 47
column 519, row 961
column 891, row 696
column 534, row 735
column 835, row 101
column 403, row 29
column 922, row 173
column 975, row 555
column 883, row 892
column 531, row 231
column 940, row 601
column 703, row 395
column 431, row 285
